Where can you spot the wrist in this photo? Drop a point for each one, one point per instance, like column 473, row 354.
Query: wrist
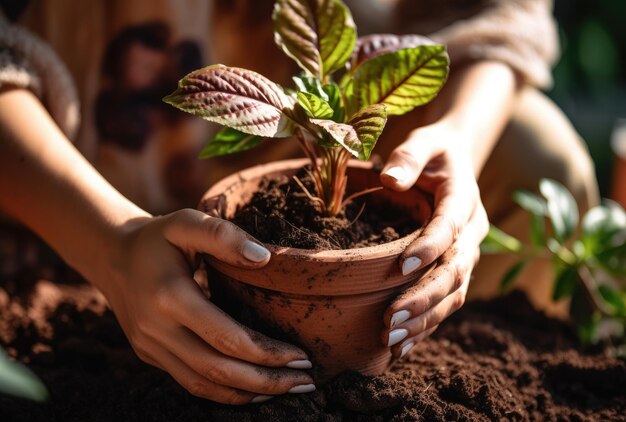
column 115, row 239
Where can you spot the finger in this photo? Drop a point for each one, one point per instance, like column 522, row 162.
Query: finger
column 455, row 203
column 200, row 386
column 194, row 231
column 191, row 309
column 400, row 350
column 235, row 373
column 406, row 163
column 429, row 319
column 452, row 270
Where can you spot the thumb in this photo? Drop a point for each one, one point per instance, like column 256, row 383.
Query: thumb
column 406, row 163
column 195, row 232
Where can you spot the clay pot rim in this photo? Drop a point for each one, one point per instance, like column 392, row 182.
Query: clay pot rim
column 395, row 247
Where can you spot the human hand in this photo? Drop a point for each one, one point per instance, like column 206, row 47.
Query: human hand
column 172, row 325
column 435, row 159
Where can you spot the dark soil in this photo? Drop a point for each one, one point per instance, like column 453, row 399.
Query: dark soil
column 280, row 213
column 497, row 360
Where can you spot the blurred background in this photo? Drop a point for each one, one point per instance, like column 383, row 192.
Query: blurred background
column 590, row 78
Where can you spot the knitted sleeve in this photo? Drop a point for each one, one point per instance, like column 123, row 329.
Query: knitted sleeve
column 28, row 62
column 521, row 33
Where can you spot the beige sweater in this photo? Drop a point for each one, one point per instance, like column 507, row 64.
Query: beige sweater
column 117, row 58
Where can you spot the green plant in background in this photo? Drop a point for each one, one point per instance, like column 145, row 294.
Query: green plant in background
column 588, row 257
column 17, row 380
column 333, row 119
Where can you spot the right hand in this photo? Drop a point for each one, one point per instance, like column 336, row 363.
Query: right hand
column 172, row 325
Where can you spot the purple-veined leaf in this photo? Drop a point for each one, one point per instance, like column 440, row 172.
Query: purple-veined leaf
column 370, row 46
column 360, row 134
column 401, row 80
column 319, row 35
column 234, row 97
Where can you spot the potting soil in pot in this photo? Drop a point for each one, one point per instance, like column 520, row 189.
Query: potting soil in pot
column 498, row 360
column 281, row 213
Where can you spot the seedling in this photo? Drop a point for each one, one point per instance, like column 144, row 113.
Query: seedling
column 333, row 119
column 589, row 259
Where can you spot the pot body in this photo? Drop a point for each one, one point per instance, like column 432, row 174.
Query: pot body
column 330, row 303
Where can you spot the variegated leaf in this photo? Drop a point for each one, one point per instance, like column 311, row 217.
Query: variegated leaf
column 319, row 35
column 342, row 133
column 234, row 97
column 370, row 46
column 360, row 134
column 369, row 124
column 401, row 80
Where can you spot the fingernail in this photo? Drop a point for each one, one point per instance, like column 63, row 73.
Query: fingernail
column 300, row 364
column 255, row 252
column 201, row 277
column 406, row 348
column 396, row 336
column 399, row 317
column 304, row 388
column 261, row 399
column 410, row 264
column 398, row 173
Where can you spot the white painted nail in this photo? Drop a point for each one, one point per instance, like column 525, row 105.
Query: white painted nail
column 304, row 388
column 397, row 173
column 399, row 317
column 300, row 364
column 410, row 264
column 396, row 336
column 406, row 348
column 255, row 252
column 201, row 277
column 261, row 399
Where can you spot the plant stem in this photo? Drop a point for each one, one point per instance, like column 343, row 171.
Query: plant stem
column 328, row 170
column 591, row 287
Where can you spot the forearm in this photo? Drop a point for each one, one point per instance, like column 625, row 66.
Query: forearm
column 477, row 102
column 49, row 186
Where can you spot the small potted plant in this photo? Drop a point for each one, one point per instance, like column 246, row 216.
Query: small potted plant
column 330, row 301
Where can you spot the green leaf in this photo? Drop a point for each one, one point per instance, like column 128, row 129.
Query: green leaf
column 310, row 84
column 401, row 80
column 314, row 106
column 334, row 99
column 329, row 92
column 319, row 35
column 360, row 134
column 498, row 241
column 601, row 225
column 561, row 207
column 229, row 141
column 566, row 282
column 17, row 380
column 370, row 46
column 238, row 98
column 538, row 208
column 614, row 298
column 612, row 259
column 511, row 275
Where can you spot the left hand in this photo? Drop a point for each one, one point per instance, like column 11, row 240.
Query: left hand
column 436, row 159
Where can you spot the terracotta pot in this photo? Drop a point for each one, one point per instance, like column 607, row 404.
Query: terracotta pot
column 331, row 302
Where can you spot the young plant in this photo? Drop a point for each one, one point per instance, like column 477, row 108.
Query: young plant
column 333, row 119
column 589, row 259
